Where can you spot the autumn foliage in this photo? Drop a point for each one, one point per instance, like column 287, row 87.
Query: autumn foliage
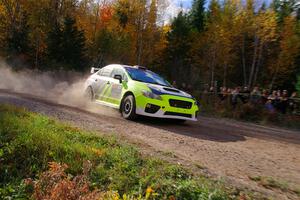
column 223, row 43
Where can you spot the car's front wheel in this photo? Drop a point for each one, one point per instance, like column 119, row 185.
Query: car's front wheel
column 128, row 107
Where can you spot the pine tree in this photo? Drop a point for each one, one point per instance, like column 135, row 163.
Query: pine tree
column 178, row 47
column 198, row 15
column 73, row 45
column 17, row 41
column 66, row 45
column 54, row 44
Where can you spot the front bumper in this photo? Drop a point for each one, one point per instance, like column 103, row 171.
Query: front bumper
column 163, row 108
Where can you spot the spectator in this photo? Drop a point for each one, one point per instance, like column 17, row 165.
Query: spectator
column 174, row 84
column 283, row 102
column 255, row 96
column 234, row 98
column 223, row 94
column 292, row 103
column 272, row 97
column 244, row 96
column 269, row 106
column 264, row 97
column 277, row 100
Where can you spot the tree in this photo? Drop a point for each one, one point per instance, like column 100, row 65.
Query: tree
column 66, row 45
column 288, row 52
column 198, row 15
column 14, row 25
column 265, row 32
column 178, row 46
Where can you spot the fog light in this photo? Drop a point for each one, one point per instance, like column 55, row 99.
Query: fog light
column 151, row 108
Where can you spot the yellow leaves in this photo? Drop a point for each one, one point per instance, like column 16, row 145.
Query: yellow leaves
column 149, row 190
column 98, row 152
column 289, row 44
column 266, row 26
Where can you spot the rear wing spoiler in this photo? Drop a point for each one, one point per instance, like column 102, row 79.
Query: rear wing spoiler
column 94, row 70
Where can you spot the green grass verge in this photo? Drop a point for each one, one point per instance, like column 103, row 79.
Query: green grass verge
column 272, row 183
column 28, row 141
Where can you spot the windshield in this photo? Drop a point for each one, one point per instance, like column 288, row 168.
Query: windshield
column 146, row 76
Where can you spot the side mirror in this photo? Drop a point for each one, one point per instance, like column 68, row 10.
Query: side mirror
column 118, row 77
column 94, row 70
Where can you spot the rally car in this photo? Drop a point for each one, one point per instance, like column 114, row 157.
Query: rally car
column 135, row 90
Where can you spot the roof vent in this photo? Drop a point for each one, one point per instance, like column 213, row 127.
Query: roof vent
column 140, row 67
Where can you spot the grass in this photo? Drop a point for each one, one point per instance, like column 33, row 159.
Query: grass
column 29, row 141
column 271, row 183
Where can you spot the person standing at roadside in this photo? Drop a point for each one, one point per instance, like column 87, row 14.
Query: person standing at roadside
column 284, row 102
column 234, row 97
column 292, row 103
column 264, row 97
column 255, row 96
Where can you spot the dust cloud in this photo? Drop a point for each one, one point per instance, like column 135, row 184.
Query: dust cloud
column 62, row 87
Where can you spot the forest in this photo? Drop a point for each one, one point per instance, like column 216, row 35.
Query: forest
column 226, row 43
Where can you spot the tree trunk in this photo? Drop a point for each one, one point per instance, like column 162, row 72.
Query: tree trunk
column 274, row 77
column 244, row 62
column 96, row 19
column 258, row 63
column 213, row 68
column 253, row 62
column 225, row 75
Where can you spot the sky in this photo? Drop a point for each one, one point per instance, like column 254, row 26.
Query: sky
column 176, row 5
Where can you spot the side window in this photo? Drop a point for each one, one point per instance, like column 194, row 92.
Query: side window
column 119, row 72
column 106, row 71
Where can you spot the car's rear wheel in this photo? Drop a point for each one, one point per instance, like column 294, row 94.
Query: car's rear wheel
column 89, row 94
column 128, row 107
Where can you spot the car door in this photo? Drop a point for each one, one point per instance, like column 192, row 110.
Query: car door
column 116, row 88
column 102, row 83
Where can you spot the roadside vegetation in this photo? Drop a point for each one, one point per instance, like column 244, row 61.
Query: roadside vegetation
column 44, row 159
column 271, row 183
column 248, row 112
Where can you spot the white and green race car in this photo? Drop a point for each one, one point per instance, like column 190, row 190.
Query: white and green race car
column 134, row 90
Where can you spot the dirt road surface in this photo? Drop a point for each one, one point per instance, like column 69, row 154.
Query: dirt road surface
column 223, row 149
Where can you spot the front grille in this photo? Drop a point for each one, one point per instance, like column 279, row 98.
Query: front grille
column 180, row 104
column 178, row 114
column 151, row 108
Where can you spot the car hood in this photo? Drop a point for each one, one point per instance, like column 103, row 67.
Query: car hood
column 165, row 90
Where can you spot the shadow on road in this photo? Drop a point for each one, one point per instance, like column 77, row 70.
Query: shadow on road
column 194, row 129
column 214, row 130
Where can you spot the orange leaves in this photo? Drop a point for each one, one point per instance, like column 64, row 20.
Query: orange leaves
column 106, row 14
column 55, row 184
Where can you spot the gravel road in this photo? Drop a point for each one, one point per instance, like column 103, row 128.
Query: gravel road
column 224, row 149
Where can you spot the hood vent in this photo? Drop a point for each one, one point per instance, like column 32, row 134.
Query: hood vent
column 171, row 90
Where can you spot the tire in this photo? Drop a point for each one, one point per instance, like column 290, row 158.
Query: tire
column 128, row 107
column 89, row 94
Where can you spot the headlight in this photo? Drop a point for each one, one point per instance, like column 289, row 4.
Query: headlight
column 151, row 95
